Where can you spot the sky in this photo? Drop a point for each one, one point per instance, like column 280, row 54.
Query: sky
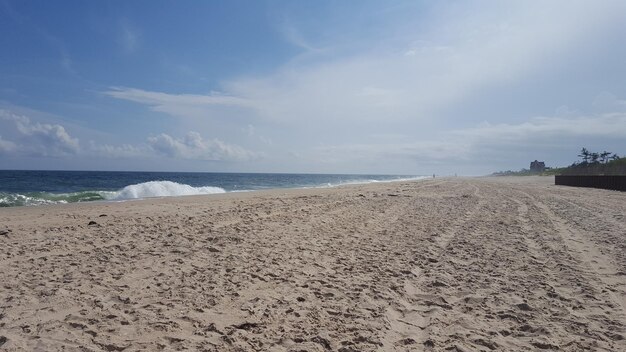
column 385, row 87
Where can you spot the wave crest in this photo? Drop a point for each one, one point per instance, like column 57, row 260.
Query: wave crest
column 161, row 189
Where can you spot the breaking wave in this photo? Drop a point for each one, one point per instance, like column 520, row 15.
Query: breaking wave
column 162, row 189
column 148, row 189
column 137, row 191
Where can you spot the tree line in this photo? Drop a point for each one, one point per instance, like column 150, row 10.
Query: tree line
column 596, row 158
column 595, row 163
column 591, row 163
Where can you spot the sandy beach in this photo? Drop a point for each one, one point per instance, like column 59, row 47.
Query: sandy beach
column 457, row 264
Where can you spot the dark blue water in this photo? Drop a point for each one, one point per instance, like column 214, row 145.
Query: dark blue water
column 19, row 188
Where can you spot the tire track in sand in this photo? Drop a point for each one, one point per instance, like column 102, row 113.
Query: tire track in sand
column 408, row 324
column 587, row 281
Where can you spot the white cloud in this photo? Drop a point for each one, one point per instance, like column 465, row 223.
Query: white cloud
column 410, row 78
column 611, row 125
column 193, row 146
column 461, row 57
column 430, row 78
column 485, row 144
column 45, row 140
column 251, row 132
column 118, row 151
column 179, row 105
column 39, row 139
column 6, row 146
column 431, row 151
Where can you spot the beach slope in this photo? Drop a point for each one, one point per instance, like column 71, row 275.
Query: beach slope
column 458, row 264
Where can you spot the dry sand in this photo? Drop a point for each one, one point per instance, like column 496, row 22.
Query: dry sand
column 513, row 264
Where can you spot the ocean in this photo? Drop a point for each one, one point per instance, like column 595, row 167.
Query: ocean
column 27, row 188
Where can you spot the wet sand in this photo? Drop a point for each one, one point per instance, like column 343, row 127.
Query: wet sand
column 458, row 264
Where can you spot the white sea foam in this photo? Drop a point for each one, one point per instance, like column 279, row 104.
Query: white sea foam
column 16, row 199
column 160, row 189
column 157, row 189
column 368, row 181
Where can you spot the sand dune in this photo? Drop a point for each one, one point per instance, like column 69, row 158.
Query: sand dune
column 506, row 264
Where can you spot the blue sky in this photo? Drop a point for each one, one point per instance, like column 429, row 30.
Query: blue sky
column 413, row 87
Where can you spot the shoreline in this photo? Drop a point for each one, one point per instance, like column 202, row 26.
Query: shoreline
column 434, row 264
column 49, row 202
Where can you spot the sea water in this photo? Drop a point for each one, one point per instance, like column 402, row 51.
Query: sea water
column 19, row 188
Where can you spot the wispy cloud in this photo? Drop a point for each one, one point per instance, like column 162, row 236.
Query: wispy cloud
column 410, row 90
column 179, row 105
column 413, row 77
column 612, row 126
column 420, row 151
column 296, row 38
column 486, row 144
column 482, row 48
column 128, row 36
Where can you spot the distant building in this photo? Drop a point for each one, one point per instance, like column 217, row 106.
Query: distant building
column 537, row 166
